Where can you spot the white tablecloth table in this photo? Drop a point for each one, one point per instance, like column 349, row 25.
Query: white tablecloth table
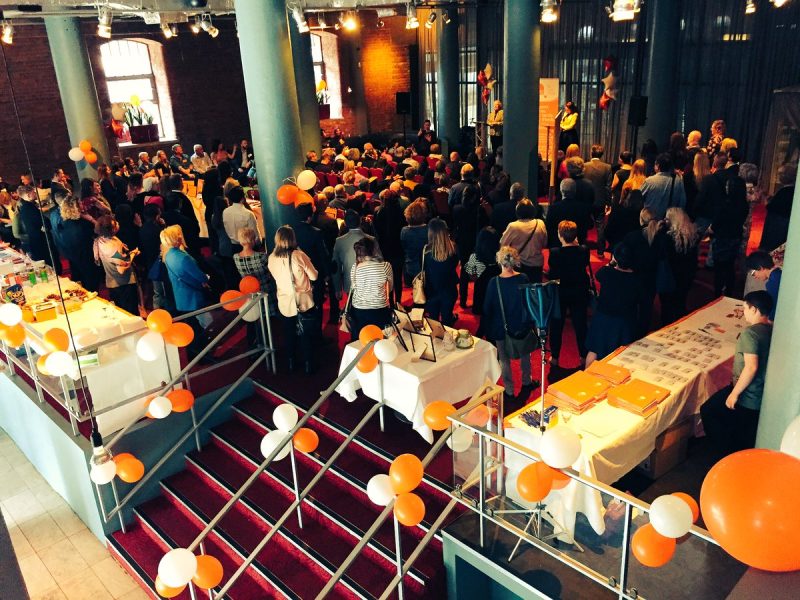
column 692, row 358
column 410, row 386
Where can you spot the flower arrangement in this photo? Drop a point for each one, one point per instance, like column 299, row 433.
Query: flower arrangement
column 322, row 92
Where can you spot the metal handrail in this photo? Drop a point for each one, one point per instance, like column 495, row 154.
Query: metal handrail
column 301, row 495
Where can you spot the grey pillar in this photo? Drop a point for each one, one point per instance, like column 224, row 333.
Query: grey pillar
column 522, row 48
column 781, row 401
column 357, row 97
column 663, row 27
column 77, row 89
column 271, row 102
column 306, row 88
column 448, row 98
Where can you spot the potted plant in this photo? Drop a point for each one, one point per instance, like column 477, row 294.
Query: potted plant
column 322, row 100
column 140, row 124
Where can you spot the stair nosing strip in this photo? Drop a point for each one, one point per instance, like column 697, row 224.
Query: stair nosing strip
column 260, row 569
column 290, row 537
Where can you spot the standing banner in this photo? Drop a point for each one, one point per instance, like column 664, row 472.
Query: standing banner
column 548, row 109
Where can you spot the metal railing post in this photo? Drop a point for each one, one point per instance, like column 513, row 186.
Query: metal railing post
column 383, row 399
column 623, row 568
column 398, row 556
column 194, row 418
column 481, row 488
column 118, row 508
column 265, row 313
column 68, row 404
column 8, row 358
column 296, row 487
column 34, row 372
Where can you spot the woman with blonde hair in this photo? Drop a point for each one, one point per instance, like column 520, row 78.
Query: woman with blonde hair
column 439, row 262
column 504, row 313
column 717, row 135
column 635, row 180
column 189, row 283
column 293, row 272
column 76, row 239
column 572, row 151
column 681, row 246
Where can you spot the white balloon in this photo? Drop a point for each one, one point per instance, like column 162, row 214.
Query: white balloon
column 285, row 417
column 10, row 314
column 150, row 346
column 386, row 350
column 251, row 315
column 75, row 154
column 379, row 490
column 58, row 363
column 306, row 180
column 272, row 440
column 790, row 442
column 461, row 439
column 103, row 473
column 670, row 516
column 159, row 407
column 177, row 567
column 560, row 447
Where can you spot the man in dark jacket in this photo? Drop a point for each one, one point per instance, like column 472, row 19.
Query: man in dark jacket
column 598, row 173
column 505, row 212
column 567, row 209
column 329, row 229
column 584, row 191
column 311, row 241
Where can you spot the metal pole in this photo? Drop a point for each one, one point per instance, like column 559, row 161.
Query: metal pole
column 203, row 551
column 481, row 487
column 263, row 313
column 100, row 500
column 191, row 591
column 623, row 567
column 8, row 358
column 34, row 372
column 269, row 335
column 383, row 399
column 68, row 405
column 194, row 420
column 398, row 556
column 296, row 488
column 117, row 508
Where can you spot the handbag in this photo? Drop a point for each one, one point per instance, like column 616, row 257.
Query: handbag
column 306, row 315
column 516, row 344
column 592, row 292
column 346, row 320
column 418, row 283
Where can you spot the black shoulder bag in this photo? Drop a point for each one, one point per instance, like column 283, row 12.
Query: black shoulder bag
column 519, row 343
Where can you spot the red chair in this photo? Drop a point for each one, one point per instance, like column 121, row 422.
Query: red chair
column 320, row 179
column 419, row 158
column 417, row 178
column 332, row 179
column 376, row 173
column 393, row 165
column 440, row 203
column 363, row 171
column 432, row 162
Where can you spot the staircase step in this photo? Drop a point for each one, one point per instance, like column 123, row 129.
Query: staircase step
column 139, row 553
column 335, row 495
column 320, row 539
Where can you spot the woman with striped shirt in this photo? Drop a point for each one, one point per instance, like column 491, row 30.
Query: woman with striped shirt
column 371, row 286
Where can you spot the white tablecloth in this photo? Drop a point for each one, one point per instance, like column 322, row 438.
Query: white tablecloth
column 410, row 386
column 692, row 358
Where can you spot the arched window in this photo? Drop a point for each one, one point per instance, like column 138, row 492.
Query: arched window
column 136, row 68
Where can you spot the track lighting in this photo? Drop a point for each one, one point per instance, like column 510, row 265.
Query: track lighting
column 300, row 19
column 624, row 10
column 380, row 24
column 207, row 26
column 430, row 20
column 349, row 21
column 779, row 3
column 749, row 7
column 446, row 17
column 7, row 36
column 411, row 17
column 549, row 11
column 104, row 18
column 195, row 26
column 169, row 31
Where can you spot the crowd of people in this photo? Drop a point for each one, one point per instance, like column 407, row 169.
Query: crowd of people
column 449, row 228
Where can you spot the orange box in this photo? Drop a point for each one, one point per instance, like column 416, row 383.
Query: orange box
column 638, row 394
column 580, row 388
column 45, row 311
column 612, row 373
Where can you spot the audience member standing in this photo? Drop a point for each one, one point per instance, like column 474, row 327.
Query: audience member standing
column 389, row 223
column 344, row 253
column 440, row 260
column 568, row 208
column 528, row 236
column 779, row 209
column 117, row 262
column 76, row 245
column 371, row 286
column 468, row 218
column 481, row 267
column 505, row 211
column 664, row 189
column 598, row 173
column 729, row 217
column 682, row 258
column 413, row 237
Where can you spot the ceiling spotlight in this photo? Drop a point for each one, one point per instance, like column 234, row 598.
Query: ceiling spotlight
column 411, row 17
column 380, row 24
column 446, row 17
column 169, row 31
column 549, row 11
column 104, row 18
column 7, row 36
column 624, row 10
column 207, row 26
column 195, row 26
column 430, row 20
column 779, row 3
column 300, row 19
column 349, row 21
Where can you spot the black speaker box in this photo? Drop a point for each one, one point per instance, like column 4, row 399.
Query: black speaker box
column 402, row 102
column 637, row 111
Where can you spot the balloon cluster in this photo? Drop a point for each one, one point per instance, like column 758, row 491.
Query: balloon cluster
column 486, row 81
column 384, row 350
column 180, row 566
column 609, row 83
column 124, row 465
column 162, row 330
column 83, row 151
column 436, row 417
column 560, row 448
column 285, row 418
column 671, row 518
column 297, row 193
column 57, row 362
column 11, row 330
column 405, row 475
column 234, row 300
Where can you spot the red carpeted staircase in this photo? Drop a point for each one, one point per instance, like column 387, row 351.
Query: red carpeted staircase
column 297, row 562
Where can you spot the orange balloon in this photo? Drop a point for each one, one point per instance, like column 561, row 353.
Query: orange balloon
column 478, row 416
column 560, row 480
column 90, row 157
column 535, row 482
column 179, row 334
column 232, row 295
column 306, row 440
column 159, row 320
column 209, row 572
column 369, row 333
column 182, row 400
column 167, row 592
column 749, row 502
column 56, row 339
column 130, row 470
column 651, row 548
column 692, row 504
column 249, row 285
column 15, row 336
column 368, row 362
column 436, row 413
column 303, row 197
column 409, row 509
column 85, row 146
column 405, row 473
column 287, row 193
column 40, row 365
column 123, row 456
